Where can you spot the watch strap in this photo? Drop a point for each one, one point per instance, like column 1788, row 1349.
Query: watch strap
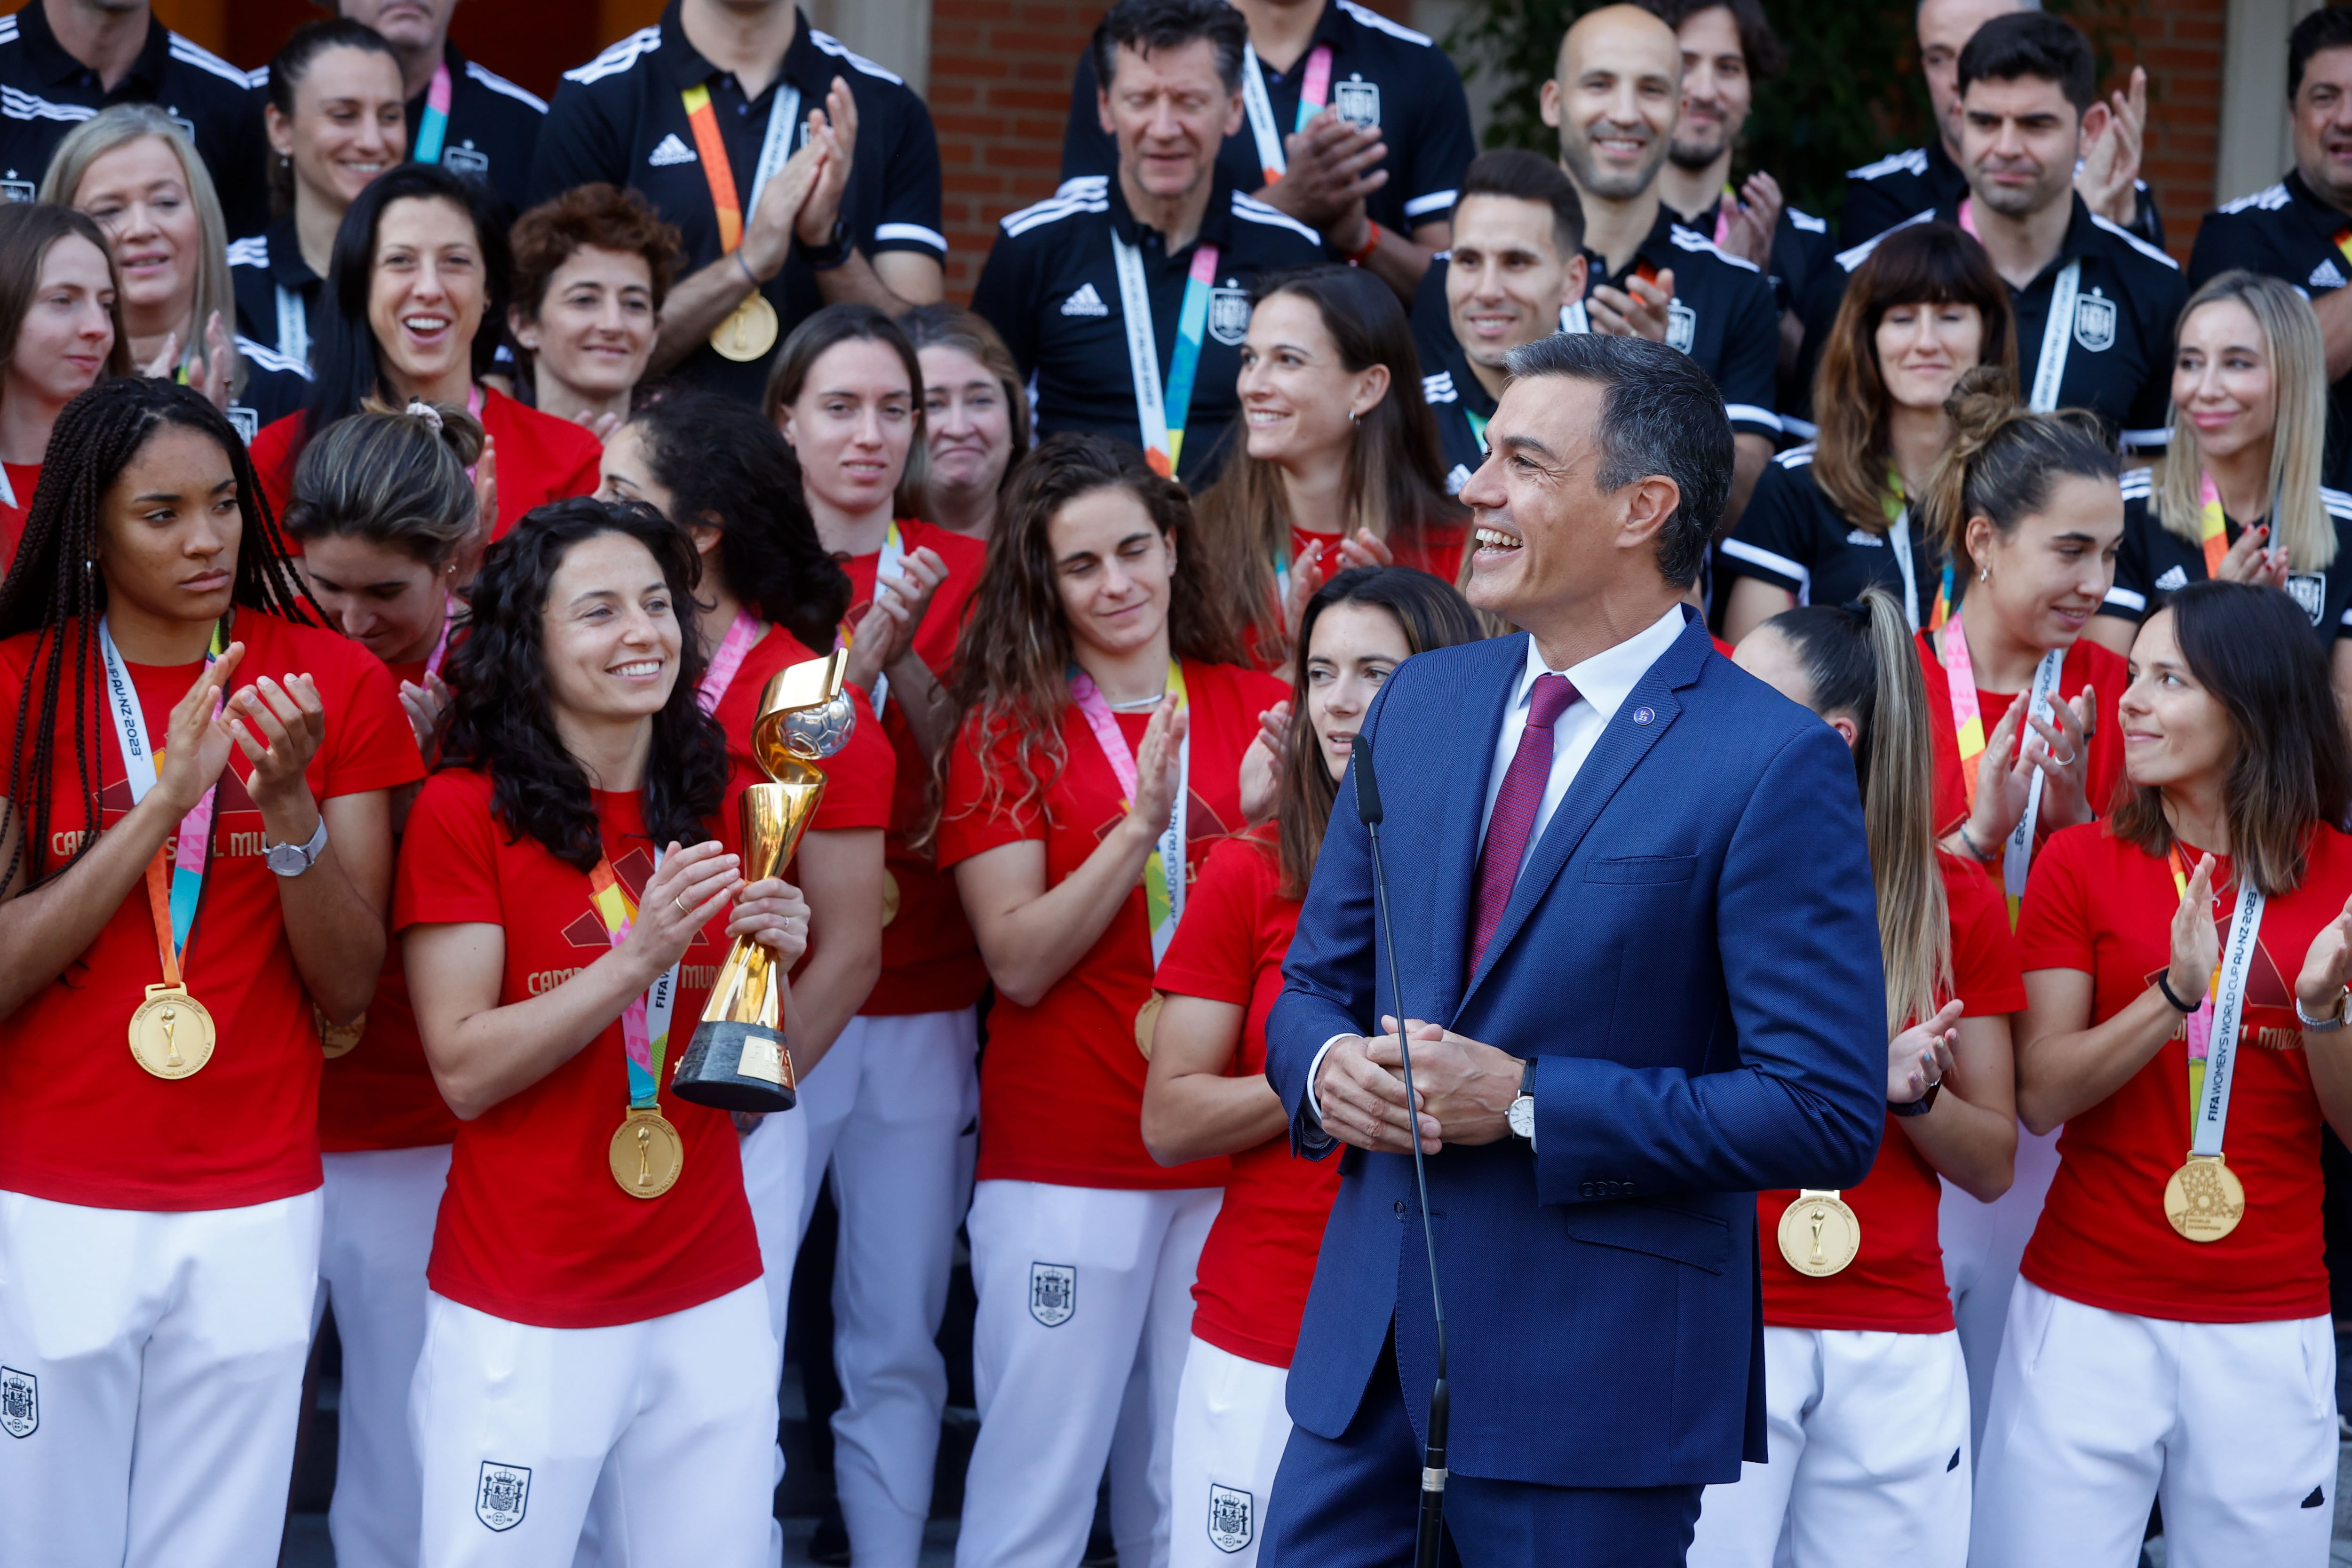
column 1527, row 1078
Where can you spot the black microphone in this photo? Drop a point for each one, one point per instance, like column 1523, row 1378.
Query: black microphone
column 1433, row 1465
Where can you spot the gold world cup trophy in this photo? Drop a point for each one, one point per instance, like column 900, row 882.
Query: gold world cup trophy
column 739, row 1059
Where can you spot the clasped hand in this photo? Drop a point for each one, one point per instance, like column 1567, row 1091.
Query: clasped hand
column 1463, row 1089
column 689, row 889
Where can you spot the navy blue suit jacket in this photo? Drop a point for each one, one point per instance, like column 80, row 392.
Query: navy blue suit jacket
column 1691, row 953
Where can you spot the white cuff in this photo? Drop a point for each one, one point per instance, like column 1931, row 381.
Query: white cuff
column 1314, row 1072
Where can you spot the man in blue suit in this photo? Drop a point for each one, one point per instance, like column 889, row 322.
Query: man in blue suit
column 1634, row 907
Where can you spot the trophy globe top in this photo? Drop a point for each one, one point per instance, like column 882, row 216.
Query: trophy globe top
column 805, row 716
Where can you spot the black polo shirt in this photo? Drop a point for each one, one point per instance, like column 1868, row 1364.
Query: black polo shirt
column 46, row 93
column 1794, row 537
column 2286, row 231
column 1880, row 195
column 1801, row 248
column 493, row 130
column 1382, row 75
column 2154, row 562
column 621, row 119
column 274, row 387
column 277, row 292
column 1050, row 287
column 1462, row 407
column 2128, row 299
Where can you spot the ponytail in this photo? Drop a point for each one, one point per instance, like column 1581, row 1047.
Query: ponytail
column 2004, row 458
column 394, row 476
column 1861, row 662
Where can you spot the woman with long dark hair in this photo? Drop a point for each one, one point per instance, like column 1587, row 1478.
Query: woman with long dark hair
column 1206, row 1095
column 2171, row 1342
column 384, row 512
column 1339, row 464
column 195, row 845
column 1840, row 513
column 62, row 322
column 1866, row 1394
column 411, row 311
column 565, row 900
column 1106, row 716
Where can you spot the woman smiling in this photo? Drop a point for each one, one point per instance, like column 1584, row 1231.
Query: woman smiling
column 61, row 319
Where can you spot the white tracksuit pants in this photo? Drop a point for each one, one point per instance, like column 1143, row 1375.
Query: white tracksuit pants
column 2231, row 1426
column 1868, row 1433
column 1083, row 1291
column 150, row 1380
column 1983, row 1244
column 661, row 1430
column 887, row 1110
column 1231, row 1427
column 381, row 1205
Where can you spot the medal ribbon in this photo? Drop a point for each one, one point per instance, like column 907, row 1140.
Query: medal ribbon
column 1163, row 870
column 644, row 1022
column 1968, row 721
column 293, row 325
column 1259, row 104
column 726, row 661
column 1723, row 211
column 2212, row 525
column 434, row 125
column 2344, row 243
column 171, row 899
column 775, row 147
column 2213, row 1048
column 441, row 644
column 1163, row 416
column 2197, row 1029
column 886, row 567
column 1899, row 539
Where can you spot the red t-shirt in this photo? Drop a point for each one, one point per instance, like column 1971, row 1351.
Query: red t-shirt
column 86, row 1125
column 532, row 1227
column 1061, row 1085
column 2099, row 905
column 2086, row 663
column 1251, row 1288
column 381, row 1094
column 1437, row 551
column 929, row 961
column 23, row 479
column 540, row 458
column 1897, row 1281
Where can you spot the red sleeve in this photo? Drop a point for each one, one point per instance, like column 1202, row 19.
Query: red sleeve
column 273, row 463
column 859, row 778
column 975, row 818
column 1213, row 954
column 448, row 855
column 375, row 749
column 1985, row 971
column 2054, row 927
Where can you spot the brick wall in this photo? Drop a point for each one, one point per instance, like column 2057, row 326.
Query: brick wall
column 2180, row 42
column 1000, row 95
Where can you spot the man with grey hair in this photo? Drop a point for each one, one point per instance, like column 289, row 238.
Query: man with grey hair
column 1638, row 969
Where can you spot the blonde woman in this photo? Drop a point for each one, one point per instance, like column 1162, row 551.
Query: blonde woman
column 2238, row 495
column 133, row 171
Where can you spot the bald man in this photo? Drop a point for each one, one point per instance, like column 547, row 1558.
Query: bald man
column 1614, row 98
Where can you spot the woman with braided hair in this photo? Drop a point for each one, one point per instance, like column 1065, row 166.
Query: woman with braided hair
column 195, row 849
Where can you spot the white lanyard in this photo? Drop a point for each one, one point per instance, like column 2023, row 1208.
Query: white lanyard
column 1259, row 107
column 776, row 146
column 8, row 490
column 888, row 568
column 2211, row 1113
column 293, row 325
column 1899, row 539
column 129, row 723
column 1574, row 320
column 2057, row 332
column 2018, row 858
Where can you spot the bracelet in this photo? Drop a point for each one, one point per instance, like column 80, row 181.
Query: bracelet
column 1969, row 841
column 2164, row 983
column 738, row 253
column 1372, row 243
column 1919, row 1107
column 2326, row 1022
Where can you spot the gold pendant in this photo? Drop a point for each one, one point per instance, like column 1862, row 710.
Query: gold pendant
column 889, row 897
column 2204, row 1199
column 647, row 1155
column 1819, row 1234
column 172, row 1036
column 338, row 1039
column 1147, row 1020
column 748, row 333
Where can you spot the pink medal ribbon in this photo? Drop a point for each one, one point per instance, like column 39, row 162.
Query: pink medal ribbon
column 727, row 659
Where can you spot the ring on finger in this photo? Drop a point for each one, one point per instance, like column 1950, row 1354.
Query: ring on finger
column 2068, row 760
column 679, row 900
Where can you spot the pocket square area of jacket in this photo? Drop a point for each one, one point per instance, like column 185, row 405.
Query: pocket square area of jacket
column 1642, row 868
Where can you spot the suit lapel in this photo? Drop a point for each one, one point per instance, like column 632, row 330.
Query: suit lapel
column 1456, row 854
column 1611, row 761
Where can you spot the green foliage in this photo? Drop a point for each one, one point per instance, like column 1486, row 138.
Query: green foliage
column 1852, row 92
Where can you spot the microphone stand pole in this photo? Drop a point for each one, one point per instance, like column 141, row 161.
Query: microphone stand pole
column 1432, row 1526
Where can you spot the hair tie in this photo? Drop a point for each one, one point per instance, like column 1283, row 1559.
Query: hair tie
column 420, row 409
column 1857, row 610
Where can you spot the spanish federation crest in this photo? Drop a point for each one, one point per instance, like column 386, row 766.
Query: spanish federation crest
column 2310, row 591
column 1229, row 1518
column 1357, row 101
column 20, row 1402
column 467, row 159
column 1682, row 325
column 2095, row 321
column 503, row 1494
column 1229, row 312
column 13, row 189
column 1053, row 1293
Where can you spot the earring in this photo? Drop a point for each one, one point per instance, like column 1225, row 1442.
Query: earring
column 1984, row 573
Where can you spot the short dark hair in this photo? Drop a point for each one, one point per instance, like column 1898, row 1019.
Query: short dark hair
column 1524, row 176
column 1660, row 414
column 1758, row 44
column 1147, row 24
column 598, row 217
column 2330, row 27
column 2034, row 44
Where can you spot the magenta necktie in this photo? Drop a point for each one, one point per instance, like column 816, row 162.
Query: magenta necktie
column 1513, row 821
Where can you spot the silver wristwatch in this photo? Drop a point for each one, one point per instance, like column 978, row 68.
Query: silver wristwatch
column 2327, row 1022
column 293, row 859
column 1521, row 1113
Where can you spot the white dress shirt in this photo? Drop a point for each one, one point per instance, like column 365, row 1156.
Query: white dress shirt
column 1602, row 683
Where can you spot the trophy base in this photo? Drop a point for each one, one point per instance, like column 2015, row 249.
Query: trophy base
column 736, row 1066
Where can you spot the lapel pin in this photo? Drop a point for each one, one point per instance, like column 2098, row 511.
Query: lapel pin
column 1644, row 715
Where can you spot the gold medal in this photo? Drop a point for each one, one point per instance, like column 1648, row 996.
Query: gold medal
column 748, row 333
column 170, row 1033
column 2204, row 1199
column 1146, row 1019
column 645, row 1154
column 1819, row 1235
column 338, row 1039
column 889, row 897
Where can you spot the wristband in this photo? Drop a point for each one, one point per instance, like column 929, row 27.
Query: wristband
column 1372, row 243
column 831, row 253
column 2164, row 983
column 1968, row 841
column 1919, row 1107
column 738, row 253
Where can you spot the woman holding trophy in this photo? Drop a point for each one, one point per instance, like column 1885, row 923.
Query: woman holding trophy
column 596, row 1338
